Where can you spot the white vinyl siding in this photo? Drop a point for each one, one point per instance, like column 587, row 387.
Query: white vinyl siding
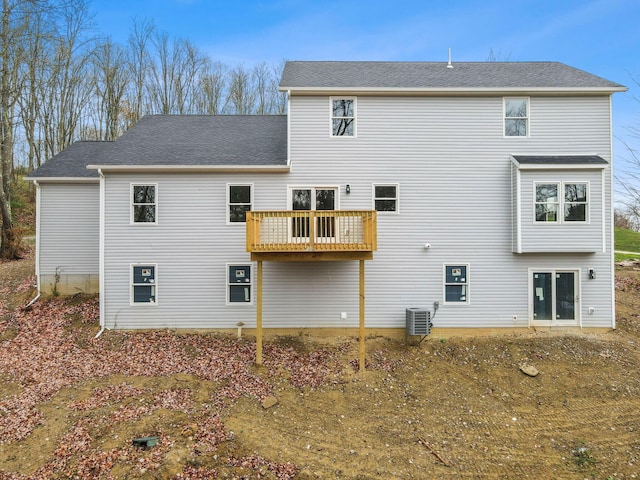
column 456, row 196
column 68, row 236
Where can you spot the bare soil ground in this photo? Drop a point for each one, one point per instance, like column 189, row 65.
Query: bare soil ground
column 71, row 405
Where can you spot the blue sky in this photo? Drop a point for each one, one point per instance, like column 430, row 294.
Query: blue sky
column 600, row 36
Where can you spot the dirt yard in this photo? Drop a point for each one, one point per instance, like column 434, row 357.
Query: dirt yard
column 71, row 405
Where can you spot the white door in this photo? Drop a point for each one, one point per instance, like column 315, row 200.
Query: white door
column 317, row 199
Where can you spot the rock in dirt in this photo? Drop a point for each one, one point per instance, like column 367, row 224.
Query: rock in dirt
column 529, row 370
column 269, row 402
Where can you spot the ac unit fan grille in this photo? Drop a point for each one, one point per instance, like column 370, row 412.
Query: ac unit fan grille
column 418, row 321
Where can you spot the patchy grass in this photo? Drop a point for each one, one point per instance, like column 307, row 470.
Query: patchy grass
column 627, row 240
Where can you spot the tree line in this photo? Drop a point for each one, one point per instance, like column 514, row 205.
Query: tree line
column 61, row 81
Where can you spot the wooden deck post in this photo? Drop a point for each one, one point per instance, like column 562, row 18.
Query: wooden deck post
column 259, row 316
column 362, row 349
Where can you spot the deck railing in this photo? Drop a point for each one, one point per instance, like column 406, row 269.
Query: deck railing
column 312, row 231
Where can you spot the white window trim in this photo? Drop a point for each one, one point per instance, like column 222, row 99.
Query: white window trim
column 561, row 202
column 131, row 204
column 355, row 116
column 227, row 284
column 467, row 283
column 131, row 285
column 578, row 303
column 504, row 117
column 374, row 198
column 228, row 207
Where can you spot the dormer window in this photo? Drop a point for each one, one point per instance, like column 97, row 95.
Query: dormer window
column 343, row 117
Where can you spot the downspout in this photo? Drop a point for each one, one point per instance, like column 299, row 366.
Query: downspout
column 39, row 292
column 101, row 287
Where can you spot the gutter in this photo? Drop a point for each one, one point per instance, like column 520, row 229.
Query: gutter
column 101, row 288
column 37, row 268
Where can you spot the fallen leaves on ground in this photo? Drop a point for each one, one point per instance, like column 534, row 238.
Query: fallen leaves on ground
column 55, row 347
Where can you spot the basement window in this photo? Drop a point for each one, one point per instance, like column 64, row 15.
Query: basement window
column 456, row 284
column 239, row 285
column 143, row 284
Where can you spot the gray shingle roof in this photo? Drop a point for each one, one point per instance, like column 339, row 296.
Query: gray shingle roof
column 560, row 160
column 179, row 140
column 203, row 140
column 518, row 76
column 72, row 161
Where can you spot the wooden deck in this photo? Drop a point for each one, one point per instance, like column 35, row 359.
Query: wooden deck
column 308, row 235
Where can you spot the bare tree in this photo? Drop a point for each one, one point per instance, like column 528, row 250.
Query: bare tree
column 15, row 25
column 211, row 93
column 139, row 67
column 241, row 95
column 112, row 78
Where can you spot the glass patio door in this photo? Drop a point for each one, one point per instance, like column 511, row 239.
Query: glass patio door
column 317, row 199
column 555, row 297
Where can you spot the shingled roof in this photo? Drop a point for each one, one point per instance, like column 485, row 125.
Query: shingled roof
column 72, row 162
column 178, row 141
column 203, row 140
column 436, row 76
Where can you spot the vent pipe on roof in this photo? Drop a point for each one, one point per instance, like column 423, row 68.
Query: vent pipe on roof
column 449, row 64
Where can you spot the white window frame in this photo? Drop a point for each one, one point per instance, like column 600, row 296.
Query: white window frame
column 132, row 205
column 505, row 118
column 229, row 185
column 396, row 198
column 228, row 284
column 561, row 202
column 466, row 283
column 577, row 321
column 355, row 117
column 132, row 285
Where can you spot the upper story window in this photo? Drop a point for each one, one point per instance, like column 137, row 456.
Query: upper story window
column 343, row 117
column 239, row 201
column 561, row 202
column 385, row 197
column 143, row 203
column 516, row 117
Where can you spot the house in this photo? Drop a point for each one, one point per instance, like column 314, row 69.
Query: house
column 480, row 190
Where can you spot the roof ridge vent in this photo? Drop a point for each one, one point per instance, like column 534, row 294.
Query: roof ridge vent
column 449, row 62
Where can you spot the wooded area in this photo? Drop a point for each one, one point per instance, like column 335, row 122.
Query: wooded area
column 62, row 81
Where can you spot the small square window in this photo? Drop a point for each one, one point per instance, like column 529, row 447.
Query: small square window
column 516, row 117
column 240, row 199
column 456, row 284
column 343, row 117
column 385, row 198
column 239, row 284
column 143, row 284
column 143, row 203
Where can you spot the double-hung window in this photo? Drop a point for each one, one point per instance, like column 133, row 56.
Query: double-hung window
column 143, row 203
column 143, row 284
column 516, row 117
column 343, row 117
column 456, row 284
column 239, row 284
column 385, row 197
column 239, row 202
column 561, row 202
